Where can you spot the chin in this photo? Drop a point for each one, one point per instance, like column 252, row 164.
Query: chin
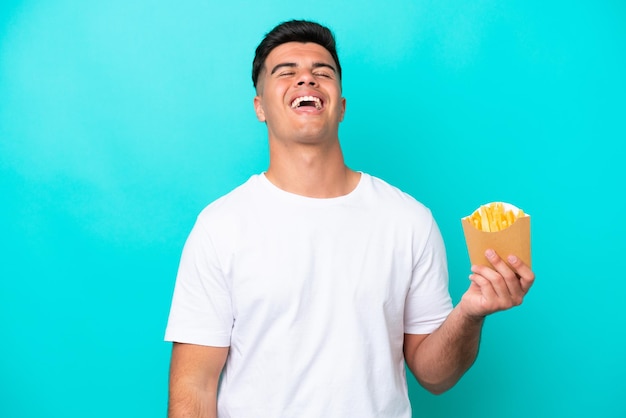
column 312, row 135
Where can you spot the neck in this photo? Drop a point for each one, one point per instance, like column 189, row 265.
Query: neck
column 311, row 171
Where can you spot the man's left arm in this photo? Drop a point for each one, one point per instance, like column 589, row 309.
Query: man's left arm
column 438, row 360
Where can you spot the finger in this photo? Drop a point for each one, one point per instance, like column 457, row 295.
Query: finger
column 486, row 300
column 495, row 280
column 513, row 283
column 484, row 286
column 526, row 275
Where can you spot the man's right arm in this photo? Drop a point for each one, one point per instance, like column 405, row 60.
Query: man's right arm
column 194, row 376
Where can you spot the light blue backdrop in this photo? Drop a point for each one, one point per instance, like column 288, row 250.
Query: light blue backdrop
column 120, row 120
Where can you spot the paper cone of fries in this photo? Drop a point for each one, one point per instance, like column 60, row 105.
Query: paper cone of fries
column 500, row 226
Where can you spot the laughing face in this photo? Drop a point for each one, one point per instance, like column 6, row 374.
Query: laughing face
column 299, row 94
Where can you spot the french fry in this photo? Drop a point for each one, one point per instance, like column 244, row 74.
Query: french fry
column 494, row 217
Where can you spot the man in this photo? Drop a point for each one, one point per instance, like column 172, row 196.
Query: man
column 303, row 292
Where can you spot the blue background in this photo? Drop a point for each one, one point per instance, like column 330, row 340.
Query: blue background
column 120, row 120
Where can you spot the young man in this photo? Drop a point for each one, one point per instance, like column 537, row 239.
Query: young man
column 302, row 292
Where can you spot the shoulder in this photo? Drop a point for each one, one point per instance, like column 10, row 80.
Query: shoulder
column 229, row 209
column 234, row 199
column 391, row 197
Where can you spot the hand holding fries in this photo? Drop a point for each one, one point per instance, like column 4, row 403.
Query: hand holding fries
column 496, row 289
column 493, row 231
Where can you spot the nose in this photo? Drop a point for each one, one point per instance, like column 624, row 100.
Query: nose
column 306, row 78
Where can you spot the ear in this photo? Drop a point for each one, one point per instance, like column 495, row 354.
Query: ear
column 258, row 108
column 343, row 109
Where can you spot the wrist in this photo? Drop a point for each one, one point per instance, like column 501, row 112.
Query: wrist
column 469, row 316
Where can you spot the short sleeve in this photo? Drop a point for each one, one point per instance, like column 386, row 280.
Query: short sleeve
column 428, row 301
column 201, row 310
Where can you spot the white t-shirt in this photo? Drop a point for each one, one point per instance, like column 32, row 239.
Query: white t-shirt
column 313, row 297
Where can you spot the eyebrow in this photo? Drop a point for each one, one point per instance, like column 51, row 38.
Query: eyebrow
column 294, row 65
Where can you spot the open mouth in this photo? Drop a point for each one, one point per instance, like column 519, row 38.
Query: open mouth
column 307, row 101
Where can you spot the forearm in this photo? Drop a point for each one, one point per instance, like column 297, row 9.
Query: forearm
column 194, row 377
column 189, row 402
column 440, row 360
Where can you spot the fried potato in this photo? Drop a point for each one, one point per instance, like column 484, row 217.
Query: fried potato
column 495, row 216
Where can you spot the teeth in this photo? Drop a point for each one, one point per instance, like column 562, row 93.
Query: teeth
column 297, row 101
